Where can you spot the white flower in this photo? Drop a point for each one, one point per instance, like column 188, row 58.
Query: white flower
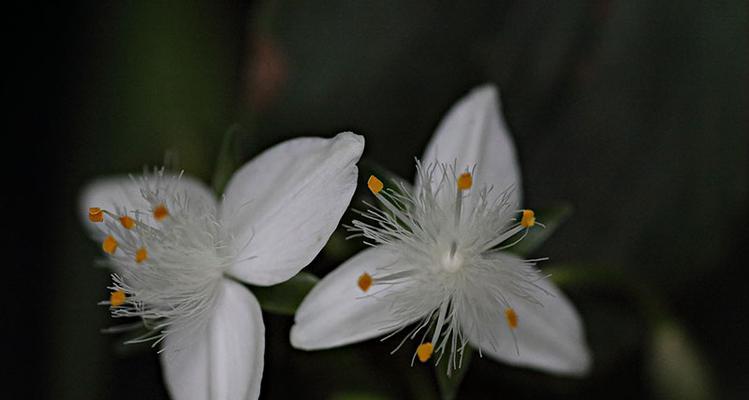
column 436, row 272
column 179, row 255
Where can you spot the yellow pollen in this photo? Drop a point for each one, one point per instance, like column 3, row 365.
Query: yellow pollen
column 465, row 181
column 364, row 282
column 528, row 219
column 95, row 214
column 160, row 212
column 127, row 222
column 141, row 255
column 424, row 351
column 117, row 298
column 512, row 318
column 374, row 184
column 109, row 245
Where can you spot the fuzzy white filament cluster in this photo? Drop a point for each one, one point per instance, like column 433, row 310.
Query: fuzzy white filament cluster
column 451, row 275
column 187, row 253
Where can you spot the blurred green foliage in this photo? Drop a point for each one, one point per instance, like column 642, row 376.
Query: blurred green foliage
column 285, row 297
column 634, row 112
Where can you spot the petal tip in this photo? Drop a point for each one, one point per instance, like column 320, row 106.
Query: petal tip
column 296, row 340
column 349, row 139
column 486, row 93
column 584, row 365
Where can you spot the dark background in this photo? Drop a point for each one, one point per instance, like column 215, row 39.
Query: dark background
column 634, row 112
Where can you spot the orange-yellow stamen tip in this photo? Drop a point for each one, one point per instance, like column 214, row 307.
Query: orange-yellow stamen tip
column 424, row 351
column 95, row 214
column 465, row 181
column 127, row 222
column 141, row 255
column 374, row 184
column 109, row 245
column 117, row 298
column 364, row 282
column 160, row 212
column 528, row 219
column 512, row 318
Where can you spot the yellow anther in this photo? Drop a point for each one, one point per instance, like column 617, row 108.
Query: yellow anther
column 465, row 181
column 127, row 222
column 528, row 219
column 141, row 255
column 117, row 298
column 160, row 212
column 424, row 351
column 374, row 184
column 95, row 214
column 109, row 245
column 512, row 318
column 364, row 282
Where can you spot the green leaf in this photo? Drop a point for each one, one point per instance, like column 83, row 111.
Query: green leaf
column 228, row 158
column 358, row 396
column 449, row 385
column 339, row 248
column 285, row 297
column 608, row 279
column 552, row 218
column 676, row 365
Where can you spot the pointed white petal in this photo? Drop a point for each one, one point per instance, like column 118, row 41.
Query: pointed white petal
column 549, row 338
column 337, row 312
column 474, row 133
column 226, row 362
column 283, row 206
column 121, row 192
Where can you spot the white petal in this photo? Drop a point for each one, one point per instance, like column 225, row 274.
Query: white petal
column 336, row 312
column 119, row 192
column 283, row 206
column 549, row 338
column 473, row 133
column 226, row 362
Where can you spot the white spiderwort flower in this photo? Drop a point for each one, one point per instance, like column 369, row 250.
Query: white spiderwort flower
column 436, row 272
column 179, row 255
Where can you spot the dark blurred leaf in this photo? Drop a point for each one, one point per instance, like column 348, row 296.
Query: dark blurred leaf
column 228, row 159
column 588, row 276
column 449, row 385
column 358, row 396
column 607, row 279
column 552, row 218
column 285, row 297
column 339, row 248
column 676, row 367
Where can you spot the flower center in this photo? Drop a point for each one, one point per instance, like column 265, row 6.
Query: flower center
column 452, row 260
